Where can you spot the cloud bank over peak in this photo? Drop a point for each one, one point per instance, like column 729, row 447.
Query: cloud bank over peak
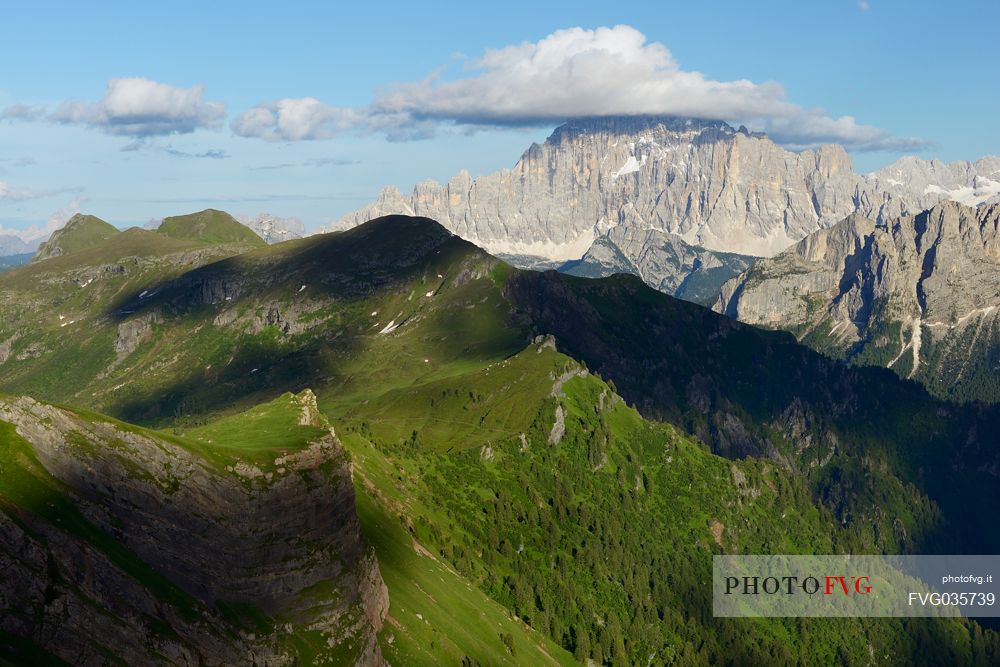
column 572, row 73
column 580, row 73
column 140, row 107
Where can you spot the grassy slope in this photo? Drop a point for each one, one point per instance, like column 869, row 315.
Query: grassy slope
column 436, row 616
column 80, row 233
column 209, row 226
column 56, row 311
column 507, row 512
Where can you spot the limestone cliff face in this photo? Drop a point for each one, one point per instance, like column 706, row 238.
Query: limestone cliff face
column 168, row 558
column 919, row 294
column 702, row 181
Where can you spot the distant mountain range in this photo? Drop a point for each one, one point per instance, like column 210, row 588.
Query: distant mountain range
column 274, row 229
column 919, row 294
column 613, row 192
column 15, row 245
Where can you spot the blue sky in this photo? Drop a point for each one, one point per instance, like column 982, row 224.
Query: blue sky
column 307, row 110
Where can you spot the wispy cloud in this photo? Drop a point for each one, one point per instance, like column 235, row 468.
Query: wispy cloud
column 263, row 198
column 9, row 193
column 22, row 112
column 863, row 5
column 148, row 143
column 140, row 107
column 571, row 73
column 210, row 154
column 312, row 162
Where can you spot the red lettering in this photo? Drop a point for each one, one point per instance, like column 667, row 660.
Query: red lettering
column 831, row 585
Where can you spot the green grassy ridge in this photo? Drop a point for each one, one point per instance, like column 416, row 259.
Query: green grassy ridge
column 190, row 366
column 258, row 436
column 55, row 322
column 506, row 513
column 79, row 233
column 455, row 620
column 191, row 369
column 209, row 226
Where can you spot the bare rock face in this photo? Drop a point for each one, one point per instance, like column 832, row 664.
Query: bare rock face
column 664, row 262
column 153, row 553
column 919, row 294
column 132, row 333
column 610, row 181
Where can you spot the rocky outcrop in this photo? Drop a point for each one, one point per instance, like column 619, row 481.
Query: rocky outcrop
column 919, row 294
column 132, row 333
column 712, row 186
column 153, row 553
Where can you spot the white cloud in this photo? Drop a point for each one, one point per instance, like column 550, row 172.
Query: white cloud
column 809, row 129
column 139, row 107
column 614, row 71
column 863, row 5
column 12, row 194
column 572, row 73
column 56, row 221
column 580, row 73
column 294, row 120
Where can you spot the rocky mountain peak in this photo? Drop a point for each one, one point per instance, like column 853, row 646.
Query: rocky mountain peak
column 653, row 182
column 80, row 232
column 634, row 126
column 82, row 219
column 208, row 226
